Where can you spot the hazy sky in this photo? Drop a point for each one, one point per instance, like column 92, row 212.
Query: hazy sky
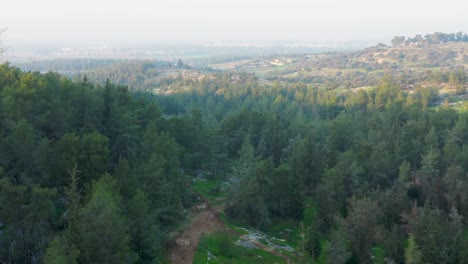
column 111, row 22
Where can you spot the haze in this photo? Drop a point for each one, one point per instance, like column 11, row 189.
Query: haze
column 164, row 21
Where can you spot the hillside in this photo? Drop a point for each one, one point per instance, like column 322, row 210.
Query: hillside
column 408, row 65
column 441, row 63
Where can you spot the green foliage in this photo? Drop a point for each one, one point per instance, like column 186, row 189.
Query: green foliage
column 412, row 253
column 73, row 206
column 361, row 226
column 213, row 190
column 20, row 146
column 146, row 237
column 28, row 214
column 436, row 236
column 223, row 250
column 53, row 128
column 336, row 250
column 89, row 152
column 104, row 235
column 59, row 251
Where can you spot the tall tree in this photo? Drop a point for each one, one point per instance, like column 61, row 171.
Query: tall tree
column 336, row 250
column 361, row 227
column 28, row 214
column 61, row 251
column 104, row 231
column 412, row 253
column 146, row 236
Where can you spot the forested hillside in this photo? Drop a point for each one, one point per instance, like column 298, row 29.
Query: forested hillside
column 89, row 174
column 433, row 60
column 97, row 174
column 386, row 172
column 137, row 75
column 409, row 65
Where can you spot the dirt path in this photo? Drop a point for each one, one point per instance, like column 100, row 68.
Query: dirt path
column 204, row 220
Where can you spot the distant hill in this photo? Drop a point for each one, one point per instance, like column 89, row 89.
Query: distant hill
column 438, row 60
column 408, row 64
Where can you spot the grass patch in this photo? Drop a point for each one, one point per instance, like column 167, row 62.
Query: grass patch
column 212, row 190
column 310, row 212
column 232, row 225
column 322, row 258
column 223, row 250
column 378, row 255
column 460, row 106
column 290, row 229
column 282, row 232
column 287, row 229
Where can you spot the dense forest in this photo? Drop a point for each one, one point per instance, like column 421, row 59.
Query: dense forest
column 88, row 174
column 95, row 173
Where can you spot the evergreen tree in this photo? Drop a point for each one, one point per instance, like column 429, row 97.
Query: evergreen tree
column 146, row 236
column 412, row 253
column 336, row 250
column 103, row 229
column 60, row 251
column 28, row 214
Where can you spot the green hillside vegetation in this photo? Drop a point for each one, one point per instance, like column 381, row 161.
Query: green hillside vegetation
column 436, row 60
column 425, row 61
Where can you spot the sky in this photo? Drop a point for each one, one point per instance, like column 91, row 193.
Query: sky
column 112, row 22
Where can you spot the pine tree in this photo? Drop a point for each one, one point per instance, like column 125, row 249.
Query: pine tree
column 146, row 236
column 412, row 253
column 73, row 207
column 61, row 251
column 336, row 250
column 104, row 232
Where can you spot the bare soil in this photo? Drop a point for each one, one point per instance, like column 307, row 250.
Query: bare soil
column 204, row 220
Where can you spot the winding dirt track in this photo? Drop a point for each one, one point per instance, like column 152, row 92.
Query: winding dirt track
column 203, row 221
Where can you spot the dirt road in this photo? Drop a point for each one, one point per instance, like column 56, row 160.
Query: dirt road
column 204, row 220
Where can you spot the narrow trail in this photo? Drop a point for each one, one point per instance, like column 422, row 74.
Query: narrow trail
column 203, row 221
